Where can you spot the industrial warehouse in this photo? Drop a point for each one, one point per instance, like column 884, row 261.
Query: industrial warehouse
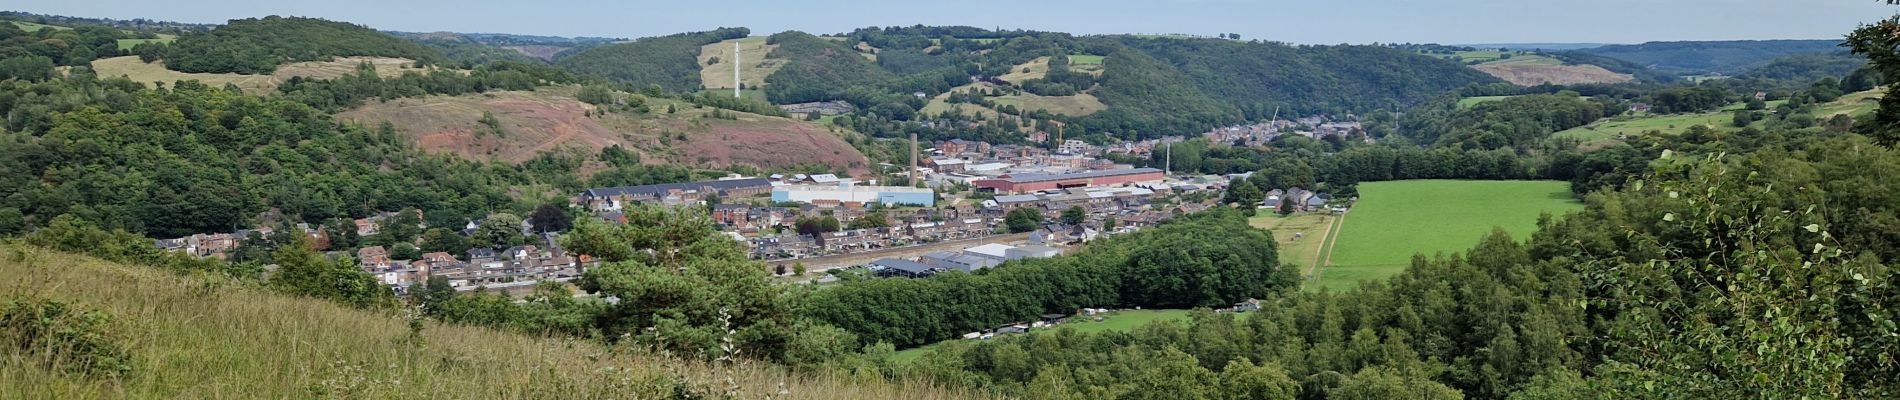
column 845, row 193
column 1023, row 183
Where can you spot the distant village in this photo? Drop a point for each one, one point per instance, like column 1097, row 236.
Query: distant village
column 962, row 191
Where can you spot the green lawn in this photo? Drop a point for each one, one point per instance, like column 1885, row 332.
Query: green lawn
column 1124, row 320
column 1395, row 220
column 1084, row 59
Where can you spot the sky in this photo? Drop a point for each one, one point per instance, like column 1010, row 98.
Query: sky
column 1295, row 21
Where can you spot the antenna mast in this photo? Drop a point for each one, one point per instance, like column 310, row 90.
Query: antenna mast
column 735, row 70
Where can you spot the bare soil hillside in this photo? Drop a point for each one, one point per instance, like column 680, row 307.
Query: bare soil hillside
column 552, row 120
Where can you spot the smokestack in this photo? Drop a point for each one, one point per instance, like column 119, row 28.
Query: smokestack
column 913, row 159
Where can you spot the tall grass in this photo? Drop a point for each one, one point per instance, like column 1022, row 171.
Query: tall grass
column 209, row 338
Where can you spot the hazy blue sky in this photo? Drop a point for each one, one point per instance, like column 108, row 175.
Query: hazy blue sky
column 1299, row 21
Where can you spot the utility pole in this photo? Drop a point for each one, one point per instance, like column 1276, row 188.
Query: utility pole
column 913, row 159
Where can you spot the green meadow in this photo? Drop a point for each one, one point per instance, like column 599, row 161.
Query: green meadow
column 1394, row 220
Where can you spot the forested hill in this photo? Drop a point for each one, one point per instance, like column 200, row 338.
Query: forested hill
column 669, row 61
column 1727, row 57
column 259, row 45
column 1215, row 80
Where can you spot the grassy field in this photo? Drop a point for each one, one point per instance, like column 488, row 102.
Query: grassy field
column 1085, row 59
column 143, row 72
column 128, row 44
column 32, row 27
column 1078, row 105
column 1858, row 105
column 1394, row 220
column 213, row 338
column 1124, row 320
column 1312, row 229
column 754, row 66
column 1472, row 101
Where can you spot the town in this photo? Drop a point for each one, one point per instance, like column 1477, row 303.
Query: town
column 973, row 205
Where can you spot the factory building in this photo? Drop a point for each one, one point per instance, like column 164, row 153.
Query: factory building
column 1020, row 183
column 848, row 194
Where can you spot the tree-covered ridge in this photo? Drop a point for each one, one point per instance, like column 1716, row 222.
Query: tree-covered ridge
column 1203, row 260
column 818, row 69
column 195, row 159
column 25, row 51
column 1520, row 122
column 1692, row 57
column 259, row 45
column 671, row 62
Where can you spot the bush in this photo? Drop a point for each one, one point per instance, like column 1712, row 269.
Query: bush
column 63, row 338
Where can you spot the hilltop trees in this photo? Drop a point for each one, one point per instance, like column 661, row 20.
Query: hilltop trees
column 668, row 62
column 258, row 45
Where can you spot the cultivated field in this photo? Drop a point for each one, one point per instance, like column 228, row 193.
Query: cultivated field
column 754, row 66
column 210, row 338
column 1395, row 220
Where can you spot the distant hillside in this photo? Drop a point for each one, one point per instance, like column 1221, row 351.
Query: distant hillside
column 1199, row 83
column 1807, row 67
column 467, row 52
column 1688, row 58
column 259, row 45
column 818, row 69
column 1537, row 46
column 672, row 62
column 206, row 337
column 551, row 119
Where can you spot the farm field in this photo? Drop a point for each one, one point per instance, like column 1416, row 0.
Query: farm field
column 1395, row 220
column 1312, row 229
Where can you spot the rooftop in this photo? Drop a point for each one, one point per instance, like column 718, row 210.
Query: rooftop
column 1026, row 178
column 723, row 184
column 835, row 188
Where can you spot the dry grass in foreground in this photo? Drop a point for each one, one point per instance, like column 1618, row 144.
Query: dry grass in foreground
column 193, row 337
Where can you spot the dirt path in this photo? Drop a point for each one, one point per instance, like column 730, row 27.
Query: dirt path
column 1326, row 247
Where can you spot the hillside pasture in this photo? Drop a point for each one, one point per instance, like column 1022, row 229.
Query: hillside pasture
column 147, row 73
column 1077, row 105
column 1395, row 220
column 33, row 27
column 754, row 66
column 128, row 44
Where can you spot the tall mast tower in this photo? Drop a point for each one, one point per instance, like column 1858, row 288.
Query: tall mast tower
column 735, row 70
